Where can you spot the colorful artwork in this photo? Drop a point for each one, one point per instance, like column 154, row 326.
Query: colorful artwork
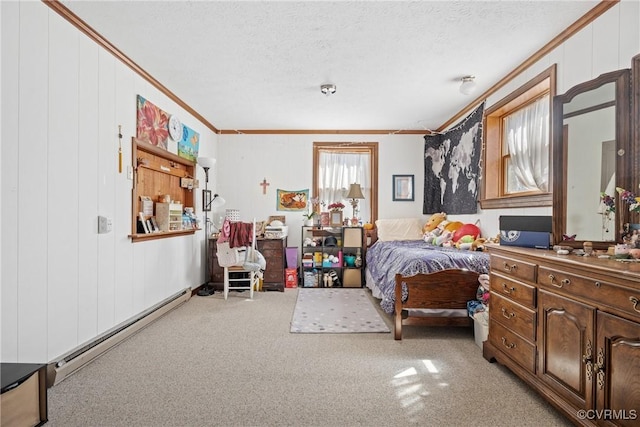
column 189, row 145
column 292, row 200
column 152, row 124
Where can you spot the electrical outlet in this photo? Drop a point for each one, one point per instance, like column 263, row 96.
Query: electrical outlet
column 104, row 225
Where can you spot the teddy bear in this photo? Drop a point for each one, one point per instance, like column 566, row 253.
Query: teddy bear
column 433, row 222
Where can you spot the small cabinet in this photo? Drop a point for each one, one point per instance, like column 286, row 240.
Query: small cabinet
column 332, row 257
column 169, row 216
column 273, row 251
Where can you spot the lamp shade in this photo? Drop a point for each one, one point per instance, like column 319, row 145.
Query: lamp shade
column 355, row 192
column 217, row 201
column 206, row 162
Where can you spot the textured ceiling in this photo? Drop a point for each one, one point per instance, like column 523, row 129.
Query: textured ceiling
column 397, row 65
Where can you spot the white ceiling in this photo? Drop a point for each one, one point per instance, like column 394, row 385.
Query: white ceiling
column 397, row 65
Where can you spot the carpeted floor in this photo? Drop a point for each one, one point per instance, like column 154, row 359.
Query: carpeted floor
column 212, row 362
column 337, row 311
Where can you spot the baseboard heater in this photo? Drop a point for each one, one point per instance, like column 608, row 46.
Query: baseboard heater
column 67, row 364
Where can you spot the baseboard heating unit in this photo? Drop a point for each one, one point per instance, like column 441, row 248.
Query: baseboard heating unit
column 75, row 359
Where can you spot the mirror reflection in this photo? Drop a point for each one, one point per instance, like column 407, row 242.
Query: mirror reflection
column 591, row 157
column 589, row 122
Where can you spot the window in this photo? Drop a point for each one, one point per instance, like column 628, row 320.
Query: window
column 516, row 170
column 338, row 165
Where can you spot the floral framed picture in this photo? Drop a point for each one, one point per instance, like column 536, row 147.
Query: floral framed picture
column 403, row 188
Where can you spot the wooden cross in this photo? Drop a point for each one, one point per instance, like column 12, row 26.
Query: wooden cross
column 264, row 185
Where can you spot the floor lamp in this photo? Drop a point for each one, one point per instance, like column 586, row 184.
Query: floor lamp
column 208, row 203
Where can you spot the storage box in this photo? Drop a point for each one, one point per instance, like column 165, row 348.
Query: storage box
column 352, row 278
column 480, row 330
column 291, row 277
column 525, row 231
column 279, row 232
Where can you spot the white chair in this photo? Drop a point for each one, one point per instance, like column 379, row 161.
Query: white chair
column 249, row 280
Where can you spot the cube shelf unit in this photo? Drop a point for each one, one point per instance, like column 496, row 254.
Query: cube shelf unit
column 327, row 241
column 158, row 172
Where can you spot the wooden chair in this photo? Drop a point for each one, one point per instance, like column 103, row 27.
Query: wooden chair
column 249, row 280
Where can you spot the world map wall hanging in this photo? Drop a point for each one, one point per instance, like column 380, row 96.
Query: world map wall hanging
column 452, row 167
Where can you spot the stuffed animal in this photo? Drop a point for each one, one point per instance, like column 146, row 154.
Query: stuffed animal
column 464, row 242
column 466, row 230
column 444, row 238
column 481, row 303
column 433, row 222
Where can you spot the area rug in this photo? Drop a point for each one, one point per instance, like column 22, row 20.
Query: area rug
column 335, row 311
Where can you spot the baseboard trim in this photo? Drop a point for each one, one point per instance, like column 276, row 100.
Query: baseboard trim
column 67, row 364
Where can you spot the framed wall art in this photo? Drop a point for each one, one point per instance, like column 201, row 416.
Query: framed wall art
column 335, row 219
column 403, row 188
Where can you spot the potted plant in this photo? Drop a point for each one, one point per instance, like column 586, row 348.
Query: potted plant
column 308, row 218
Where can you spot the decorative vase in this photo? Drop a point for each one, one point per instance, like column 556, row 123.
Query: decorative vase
column 308, row 222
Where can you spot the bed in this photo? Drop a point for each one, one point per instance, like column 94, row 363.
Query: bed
column 434, row 283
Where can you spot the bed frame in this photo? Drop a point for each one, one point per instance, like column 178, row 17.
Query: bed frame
column 443, row 289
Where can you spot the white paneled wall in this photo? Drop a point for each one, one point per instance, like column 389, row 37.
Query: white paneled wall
column 63, row 98
column 63, row 284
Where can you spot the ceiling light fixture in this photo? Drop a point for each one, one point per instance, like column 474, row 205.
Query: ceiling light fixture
column 468, row 85
column 328, row 89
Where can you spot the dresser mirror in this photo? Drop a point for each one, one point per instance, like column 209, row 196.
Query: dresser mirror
column 592, row 154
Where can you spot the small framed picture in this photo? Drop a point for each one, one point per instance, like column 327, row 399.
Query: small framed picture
column 403, row 188
column 335, row 219
column 206, row 200
column 325, row 219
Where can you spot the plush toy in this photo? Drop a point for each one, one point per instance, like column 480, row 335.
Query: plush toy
column 466, row 230
column 444, row 238
column 464, row 242
column 433, row 222
column 481, row 303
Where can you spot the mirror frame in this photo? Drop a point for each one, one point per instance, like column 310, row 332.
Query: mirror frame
column 624, row 162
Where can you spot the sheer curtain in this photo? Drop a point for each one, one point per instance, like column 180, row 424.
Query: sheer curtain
column 527, row 136
column 337, row 171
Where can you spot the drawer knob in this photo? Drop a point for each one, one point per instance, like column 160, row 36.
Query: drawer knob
column 506, row 314
column 508, row 289
column 510, row 345
column 510, row 268
column 635, row 302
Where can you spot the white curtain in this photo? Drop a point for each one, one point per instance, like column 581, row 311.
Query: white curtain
column 337, row 171
column 527, row 136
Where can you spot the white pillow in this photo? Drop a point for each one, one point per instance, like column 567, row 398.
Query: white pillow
column 399, row 229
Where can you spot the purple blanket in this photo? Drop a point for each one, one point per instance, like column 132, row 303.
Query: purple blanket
column 411, row 257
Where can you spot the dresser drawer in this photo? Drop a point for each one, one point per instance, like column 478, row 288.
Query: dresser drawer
column 513, row 268
column 598, row 292
column 513, row 289
column 514, row 346
column 513, row 316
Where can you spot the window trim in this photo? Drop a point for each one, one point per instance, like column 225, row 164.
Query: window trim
column 359, row 147
column 493, row 196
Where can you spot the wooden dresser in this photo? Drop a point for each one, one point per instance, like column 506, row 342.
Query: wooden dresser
column 273, row 251
column 570, row 327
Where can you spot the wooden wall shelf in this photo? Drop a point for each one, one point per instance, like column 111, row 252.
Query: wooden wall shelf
column 158, row 172
column 161, row 235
